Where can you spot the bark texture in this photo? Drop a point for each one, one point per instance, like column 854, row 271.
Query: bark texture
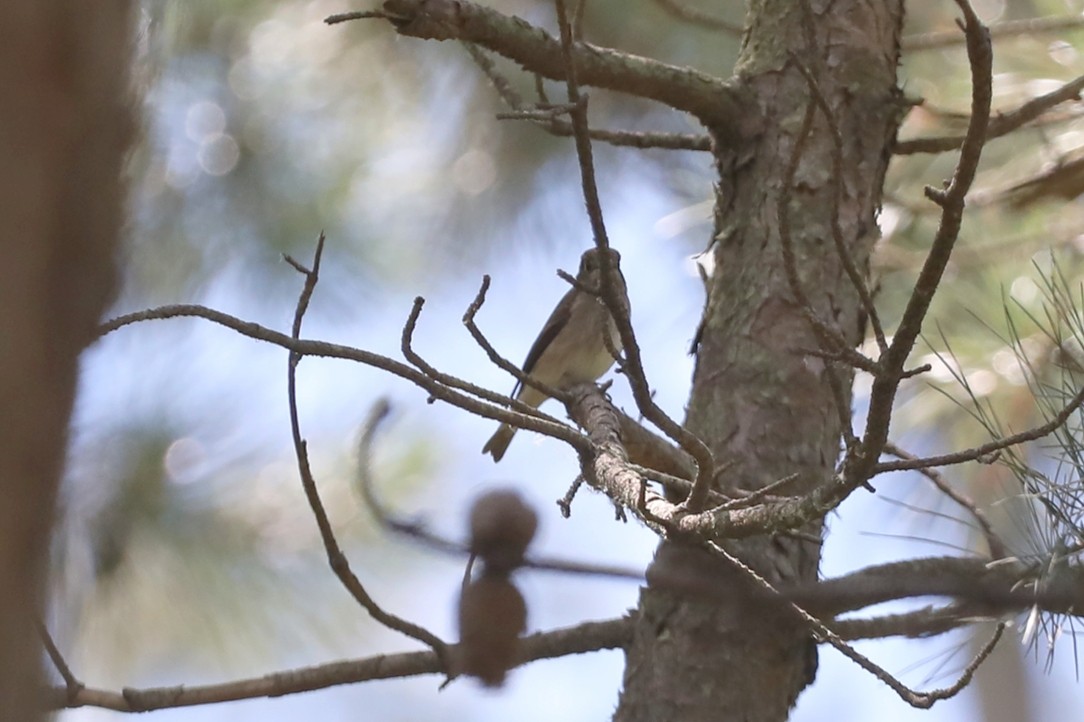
column 64, row 126
column 758, row 400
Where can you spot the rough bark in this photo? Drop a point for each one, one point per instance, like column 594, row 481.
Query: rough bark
column 758, row 400
column 63, row 130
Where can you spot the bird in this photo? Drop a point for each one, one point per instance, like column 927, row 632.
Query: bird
column 571, row 348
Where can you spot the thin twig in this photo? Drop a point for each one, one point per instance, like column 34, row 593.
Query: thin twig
column 72, row 686
column 859, row 466
column 618, row 307
column 998, row 549
column 406, row 345
column 984, row 451
column 562, row 128
column 503, row 363
column 565, row 502
column 305, row 347
column 337, row 560
column 921, row 700
column 1000, row 124
column 360, row 15
column 757, row 495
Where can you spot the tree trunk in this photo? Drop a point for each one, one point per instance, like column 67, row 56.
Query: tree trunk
column 64, row 127
column 759, row 400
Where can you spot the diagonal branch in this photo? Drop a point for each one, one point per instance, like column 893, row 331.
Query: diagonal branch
column 72, row 685
column 305, row 347
column 823, row 633
column 504, row 364
column 560, row 127
column 991, row 447
column 998, row 549
column 716, row 103
column 1000, row 124
column 612, row 295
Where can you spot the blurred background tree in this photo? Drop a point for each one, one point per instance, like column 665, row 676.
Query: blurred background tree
column 187, row 553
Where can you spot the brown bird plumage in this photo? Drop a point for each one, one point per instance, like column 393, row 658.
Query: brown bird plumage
column 571, row 348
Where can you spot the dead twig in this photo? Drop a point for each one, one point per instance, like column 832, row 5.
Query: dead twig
column 336, row 559
column 617, row 305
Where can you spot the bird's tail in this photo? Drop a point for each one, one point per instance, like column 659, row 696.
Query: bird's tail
column 498, row 443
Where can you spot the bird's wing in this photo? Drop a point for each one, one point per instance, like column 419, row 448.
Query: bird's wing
column 553, row 326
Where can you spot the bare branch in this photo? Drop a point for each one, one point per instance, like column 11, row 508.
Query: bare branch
column 1000, row 124
column 612, row 295
column 859, row 466
column 72, row 686
column 406, row 345
column 611, row 473
column 824, row 633
column 560, row 127
column 920, row 623
column 337, row 560
column 713, row 101
column 998, row 549
column 306, row 347
column 991, row 447
column 586, row 637
column 504, row 364
column 996, row 588
column 361, row 15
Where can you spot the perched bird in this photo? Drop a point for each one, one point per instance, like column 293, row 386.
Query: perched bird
column 571, row 348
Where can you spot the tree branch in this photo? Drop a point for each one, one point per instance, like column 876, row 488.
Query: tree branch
column 336, row 559
column 859, row 466
column 998, row 588
column 549, row 120
column 714, row 102
column 920, row 623
column 991, row 447
column 613, row 291
column 1000, row 124
column 823, row 633
column 306, row 347
column 585, row 637
column 998, row 549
